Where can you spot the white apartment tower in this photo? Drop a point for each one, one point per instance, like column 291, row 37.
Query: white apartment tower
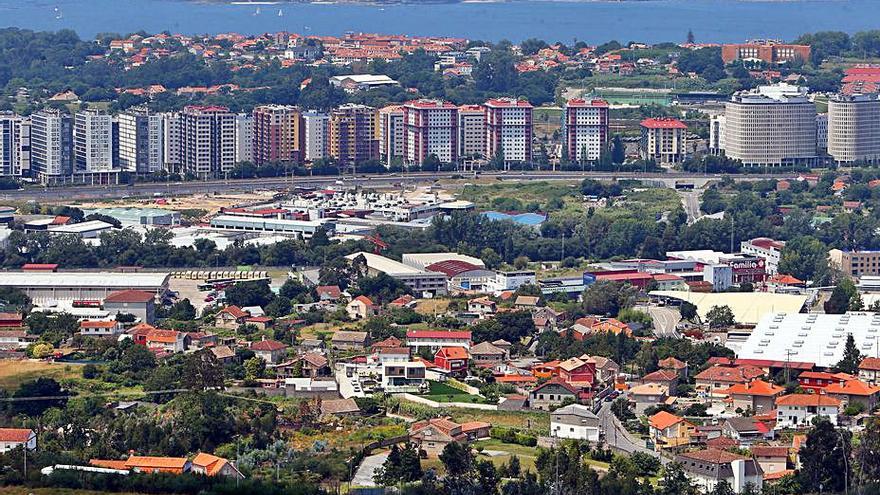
column 771, row 126
column 141, row 141
column 171, row 140
column 585, row 128
column 509, row 130
column 315, row 135
column 244, row 138
column 854, row 128
column 207, row 140
column 15, row 145
column 51, row 146
column 391, row 134
column 471, row 131
column 431, row 128
column 93, row 142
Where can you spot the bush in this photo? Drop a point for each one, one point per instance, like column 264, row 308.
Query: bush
column 509, row 435
column 90, row 371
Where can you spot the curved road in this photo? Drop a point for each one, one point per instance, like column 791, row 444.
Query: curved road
column 216, row 186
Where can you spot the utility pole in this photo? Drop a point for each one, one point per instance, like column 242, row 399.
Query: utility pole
column 787, row 369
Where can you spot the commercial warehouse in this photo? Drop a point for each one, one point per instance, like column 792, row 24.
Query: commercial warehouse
column 301, row 228
column 812, row 338
column 420, row 281
column 82, row 285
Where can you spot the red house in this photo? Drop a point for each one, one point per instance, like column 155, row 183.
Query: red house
column 452, row 359
column 578, row 372
column 815, row 382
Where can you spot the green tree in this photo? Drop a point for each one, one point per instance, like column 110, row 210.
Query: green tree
column 201, row 371
column 824, row 458
column 249, row 294
column 618, row 150
column 688, row 311
column 844, row 297
column 851, row 359
column 867, row 452
column 720, row 316
column 675, row 481
column 254, row 368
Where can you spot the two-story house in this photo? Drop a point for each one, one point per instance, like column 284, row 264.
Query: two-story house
column 552, row 393
column 798, row 410
column 667, row 430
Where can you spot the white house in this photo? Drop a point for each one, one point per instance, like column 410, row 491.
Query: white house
column 798, row 410
column 706, row 468
column 574, row 421
column 11, row 438
column 435, row 339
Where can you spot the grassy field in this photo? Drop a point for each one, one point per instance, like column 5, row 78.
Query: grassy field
column 432, row 306
column 14, row 373
column 537, row 423
column 440, row 392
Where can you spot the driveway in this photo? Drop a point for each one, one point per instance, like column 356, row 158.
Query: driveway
column 364, row 474
column 665, row 320
column 617, row 436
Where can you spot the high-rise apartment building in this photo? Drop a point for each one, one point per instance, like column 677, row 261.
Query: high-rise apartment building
column 391, row 134
column 854, row 128
column 207, row 140
column 664, row 140
column 431, row 129
column 315, row 135
column 92, row 142
column 277, row 134
column 51, row 146
column 471, row 131
column 509, row 130
column 171, row 141
column 354, row 134
column 244, row 138
column 771, row 126
column 15, row 145
column 585, row 129
column 140, row 141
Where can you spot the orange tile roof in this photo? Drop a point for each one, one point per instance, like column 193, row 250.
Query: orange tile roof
column 235, row 311
column 756, row 387
column 155, row 462
column 19, row 435
column 804, row 400
column 108, row 463
column 163, row 336
column 663, row 420
column 211, row 463
column 734, row 374
column 870, row 364
column 453, row 353
column 852, row 387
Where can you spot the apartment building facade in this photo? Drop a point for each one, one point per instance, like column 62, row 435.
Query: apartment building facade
column 316, row 129
column 15, row 145
column 207, row 140
column 585, row 129
column 391, row 134
column 92, row 142
column 509, row 130
column 277, row 134
column 140, row 141
column 353, row 134
column 471, row 131
column 431, row 129
column 854, row 129
column 771, row 126
column 52, row 146
column 664, row 140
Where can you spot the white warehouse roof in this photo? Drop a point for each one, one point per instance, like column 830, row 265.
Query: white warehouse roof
column 812, row 338
column 385, row 265
column 146, row 280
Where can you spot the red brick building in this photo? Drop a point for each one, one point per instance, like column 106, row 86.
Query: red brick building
column 768, row 52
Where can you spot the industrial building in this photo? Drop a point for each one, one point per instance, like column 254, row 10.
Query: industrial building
column 83, row 285
column 301, row 228
column 813, row 338
column 138, row 216
column 420, row 281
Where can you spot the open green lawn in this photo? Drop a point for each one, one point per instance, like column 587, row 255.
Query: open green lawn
column 441, row 392
column 534, row 422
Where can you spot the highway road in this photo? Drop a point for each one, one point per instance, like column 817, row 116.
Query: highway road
column 152, row 189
